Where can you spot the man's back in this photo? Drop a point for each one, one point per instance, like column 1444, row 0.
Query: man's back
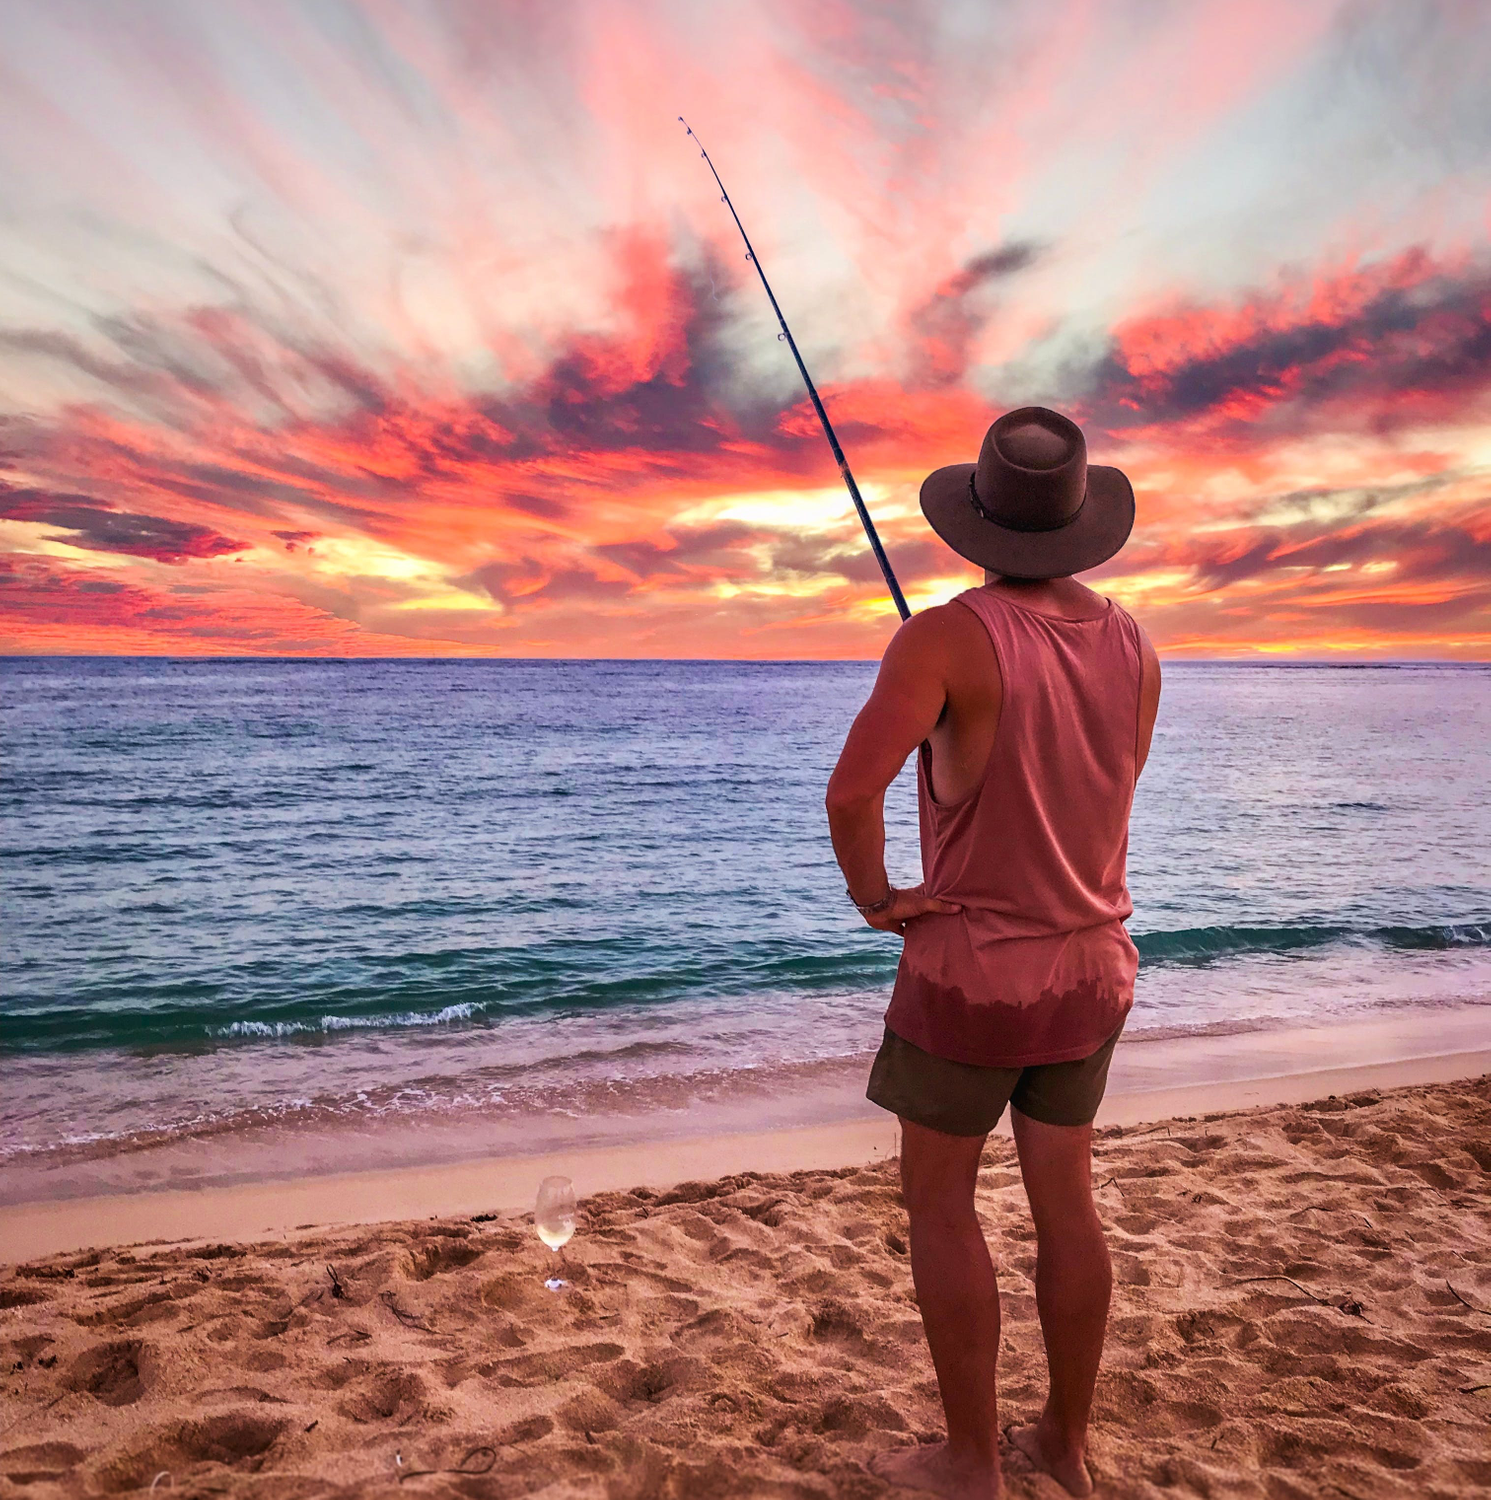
column 1024, row 823
column 952, row 644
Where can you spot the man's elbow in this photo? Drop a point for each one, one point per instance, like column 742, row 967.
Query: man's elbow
column 844, row 800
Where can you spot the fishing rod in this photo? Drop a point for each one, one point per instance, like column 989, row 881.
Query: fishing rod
column 828, row 430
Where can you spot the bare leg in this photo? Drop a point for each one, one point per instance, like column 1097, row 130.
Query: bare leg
column 959, row 1300
column 1073, row 1285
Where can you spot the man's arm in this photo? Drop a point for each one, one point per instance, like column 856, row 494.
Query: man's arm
column 1149, row 698
column 902, row 711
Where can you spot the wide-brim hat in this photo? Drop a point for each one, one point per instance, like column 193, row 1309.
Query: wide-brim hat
column 1032, row 506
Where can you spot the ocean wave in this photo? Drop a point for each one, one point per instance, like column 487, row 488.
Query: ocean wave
column 265, row 1000
column 1208, row 944
column 446, row 1015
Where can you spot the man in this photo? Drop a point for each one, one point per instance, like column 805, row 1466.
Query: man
column 1032, row 700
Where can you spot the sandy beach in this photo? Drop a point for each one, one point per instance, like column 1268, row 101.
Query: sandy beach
column 1303, row 1308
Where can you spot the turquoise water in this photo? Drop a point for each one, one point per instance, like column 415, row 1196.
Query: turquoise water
column 246, row 890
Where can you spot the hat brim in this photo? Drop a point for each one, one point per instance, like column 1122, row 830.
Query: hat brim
column 1100, row 528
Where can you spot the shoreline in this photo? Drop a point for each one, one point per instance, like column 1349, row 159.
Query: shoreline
column 1149, row 1084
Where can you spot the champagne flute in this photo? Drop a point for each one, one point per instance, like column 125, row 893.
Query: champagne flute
column 554, row 1219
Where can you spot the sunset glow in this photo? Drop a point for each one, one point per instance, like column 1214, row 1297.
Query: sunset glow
column 373, row 327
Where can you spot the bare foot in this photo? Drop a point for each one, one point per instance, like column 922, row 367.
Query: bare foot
column 934, row 1471
column 1068, row 1467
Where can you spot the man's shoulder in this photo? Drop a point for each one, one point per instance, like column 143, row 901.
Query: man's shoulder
column 954, row 618
column 936, row 629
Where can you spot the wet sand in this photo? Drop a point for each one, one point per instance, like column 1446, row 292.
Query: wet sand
column 233, row 1188
column 1303, row 1308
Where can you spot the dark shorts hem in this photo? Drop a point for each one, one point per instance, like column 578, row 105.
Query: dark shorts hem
column 965, row 1099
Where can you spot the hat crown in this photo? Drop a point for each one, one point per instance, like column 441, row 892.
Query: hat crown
column 1032, row 470
column 1034, row 446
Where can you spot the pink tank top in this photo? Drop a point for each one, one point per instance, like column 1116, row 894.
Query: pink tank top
column 1037, row 968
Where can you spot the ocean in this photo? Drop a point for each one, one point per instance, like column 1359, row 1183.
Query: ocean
column 316, row 913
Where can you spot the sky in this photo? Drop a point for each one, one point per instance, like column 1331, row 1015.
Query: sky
column 418, row 328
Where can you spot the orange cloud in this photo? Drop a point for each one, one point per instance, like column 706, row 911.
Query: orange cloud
column 1305, row 454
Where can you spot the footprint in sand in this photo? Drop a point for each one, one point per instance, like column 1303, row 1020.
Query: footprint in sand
column 112, row 1373
column 229, row 1438
column 438, row 1256
column 385, row 1394
column 39, row 1463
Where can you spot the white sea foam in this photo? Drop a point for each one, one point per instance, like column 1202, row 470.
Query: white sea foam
column 462, row 1012
column 442, row 1017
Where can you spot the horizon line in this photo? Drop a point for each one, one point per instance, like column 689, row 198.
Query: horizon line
column 1256, row 659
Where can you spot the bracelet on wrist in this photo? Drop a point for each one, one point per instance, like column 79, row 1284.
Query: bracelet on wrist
column 875, row 907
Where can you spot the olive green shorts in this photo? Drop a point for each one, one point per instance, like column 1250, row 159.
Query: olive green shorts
column 963, row 1099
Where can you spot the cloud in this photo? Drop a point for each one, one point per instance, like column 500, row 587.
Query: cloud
column 678, row 557
column 657, row 395
column 89, row 526
column 702, row 551
column 46, row 605
column 555, row 496
column 946, row 324
column 34, row 590
column 1417, row 551
column 521, row 582
column 1378, row 347
column 819, row 555
column 537, row 505
column 537, row 376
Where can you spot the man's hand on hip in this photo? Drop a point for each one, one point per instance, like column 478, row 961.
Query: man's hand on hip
column 907, row 906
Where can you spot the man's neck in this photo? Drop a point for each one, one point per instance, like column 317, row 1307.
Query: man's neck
column 1056, row 596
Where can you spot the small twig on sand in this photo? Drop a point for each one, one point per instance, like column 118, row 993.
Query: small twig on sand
column 337, row 1287
column 1348, row 1305
column 1484, row 1312
column 408, row 1319
column 460, row 1468
column 1245, row 1280
column 1470, row 1390
column 1315, row 1208
column 1111, row 1182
